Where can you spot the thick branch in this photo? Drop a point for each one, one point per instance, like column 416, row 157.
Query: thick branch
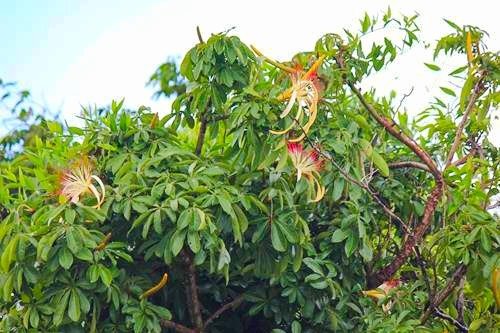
column 444, row 293
column 431, row 204
column 231, row 305
column 177, row 327
column 201, row 135
column 409, row 164
column 193, row 299
column 476, row 92
column 413, row 239
column 390, row 127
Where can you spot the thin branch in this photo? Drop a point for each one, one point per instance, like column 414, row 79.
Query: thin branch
column 441, row 296
column 418, row 256
column 231, row 305
column 459, row 305
column 476, row 92
column 406, row 164
column 351, row 179
column 198, row 33
column 439, row 313
column 177, row 327
column 405, row 96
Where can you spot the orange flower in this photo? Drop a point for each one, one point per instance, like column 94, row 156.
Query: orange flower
column 304, row 92
column 382, row 291
column 79, row 180
column 307, row 163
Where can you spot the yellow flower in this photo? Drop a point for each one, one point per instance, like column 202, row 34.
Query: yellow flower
column 78, row 180
column 308, row 164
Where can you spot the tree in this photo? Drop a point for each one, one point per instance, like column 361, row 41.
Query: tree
column 271, row 198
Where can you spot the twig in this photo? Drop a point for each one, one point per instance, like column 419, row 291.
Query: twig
column 441, row 296
column 439, row 313
column 351, row 179
column 405, row 96
column 476, row 92
column 418, row 256
column 198, row 32
column 231, row 305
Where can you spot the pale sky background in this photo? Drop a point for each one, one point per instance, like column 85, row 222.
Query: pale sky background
column 71, row 53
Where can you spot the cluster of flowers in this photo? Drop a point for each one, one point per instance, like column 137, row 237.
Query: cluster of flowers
column 305, row 93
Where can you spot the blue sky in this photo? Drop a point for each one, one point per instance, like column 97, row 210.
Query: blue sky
column 72, row 53
column 39, row 40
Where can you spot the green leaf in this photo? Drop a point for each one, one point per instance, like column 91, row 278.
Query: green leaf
column 9, row 254
column 297, row 259
column 186, row 218
column 60, row 308
column 74, row 306
column 296, row 328
column 365, row 24
column 338, row 188
column 177, row 241
column 448, row 91
column 277, row 239
column 314, row 266
column 225, row 203
column 338, row 236
column 54, row 127
column 193, row 239
column 380, row 163
column 65, row 258
column 366, row 252
column 106, row 276
column 73, row 242
column 432, row 67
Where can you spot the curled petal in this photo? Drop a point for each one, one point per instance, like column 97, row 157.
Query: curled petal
column 307, row 126
column 290, row 104
column 320, row 190
column 314, row 67
column 297, row 119
column 103, row 189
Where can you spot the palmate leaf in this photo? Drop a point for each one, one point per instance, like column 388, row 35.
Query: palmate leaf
column 230, row 224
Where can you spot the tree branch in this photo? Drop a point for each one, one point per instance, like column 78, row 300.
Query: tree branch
column 231, row 305
column 177, row 327
column 476, row 92
column 193, row 301
column 441, row 296
column 201, row 135
column 414, row 238
column 461, row 327
column 353, row 180
column 409, row 164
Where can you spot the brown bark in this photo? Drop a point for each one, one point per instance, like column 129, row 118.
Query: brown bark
column 231, row 305
column 413, row 239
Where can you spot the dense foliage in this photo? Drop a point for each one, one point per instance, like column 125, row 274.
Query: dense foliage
column 211, row 220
